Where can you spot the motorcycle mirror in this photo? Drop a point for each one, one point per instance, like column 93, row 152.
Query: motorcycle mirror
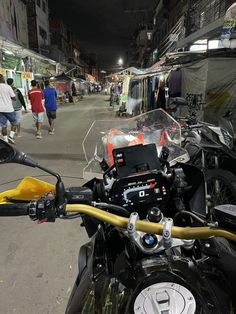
column 9, row 154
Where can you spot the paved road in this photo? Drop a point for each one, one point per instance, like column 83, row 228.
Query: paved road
column 38, row 263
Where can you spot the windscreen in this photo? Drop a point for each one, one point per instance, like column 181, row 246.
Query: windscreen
column 154, row 127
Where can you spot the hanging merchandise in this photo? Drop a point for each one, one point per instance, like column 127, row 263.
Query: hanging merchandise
column 174, row 82
column 125, row 90
column 134, row 99
column 161, row 97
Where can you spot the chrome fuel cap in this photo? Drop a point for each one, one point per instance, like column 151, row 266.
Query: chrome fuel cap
column 165, row 298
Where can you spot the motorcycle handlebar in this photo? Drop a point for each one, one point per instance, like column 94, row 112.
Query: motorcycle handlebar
column 150, row 227
column 14, row 209
column 19, row 209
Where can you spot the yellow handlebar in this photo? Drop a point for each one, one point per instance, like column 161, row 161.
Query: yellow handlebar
column 150, row 227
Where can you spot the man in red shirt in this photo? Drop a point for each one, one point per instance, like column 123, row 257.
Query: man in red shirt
column 36, row 98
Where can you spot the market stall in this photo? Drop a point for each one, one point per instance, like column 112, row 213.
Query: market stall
column 63, row 84
column 147, row 91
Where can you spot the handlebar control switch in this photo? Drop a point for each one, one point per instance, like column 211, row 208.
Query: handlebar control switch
column 43, row 209
column 33, row 210
column 79, row 195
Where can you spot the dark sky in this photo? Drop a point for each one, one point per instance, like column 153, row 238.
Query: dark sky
column 102, row 26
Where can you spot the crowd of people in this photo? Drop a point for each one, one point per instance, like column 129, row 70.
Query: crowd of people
column 12, row 102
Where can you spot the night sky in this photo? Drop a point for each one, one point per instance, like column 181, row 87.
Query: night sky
column 102, row 26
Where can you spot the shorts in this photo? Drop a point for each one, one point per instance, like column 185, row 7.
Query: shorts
column 52, row 114
column 7, row 116
column 38, row 117
column 18, row 116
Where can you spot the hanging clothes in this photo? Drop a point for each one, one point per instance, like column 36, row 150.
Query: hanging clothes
column 174, row 83
column 150, row 94
column 134, row 96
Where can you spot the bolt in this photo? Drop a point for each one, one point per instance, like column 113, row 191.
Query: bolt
column 166, row 234
column 190, row 298
column 207, row 245
column 130, row 227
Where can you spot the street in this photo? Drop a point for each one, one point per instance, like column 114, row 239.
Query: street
column 39, row 263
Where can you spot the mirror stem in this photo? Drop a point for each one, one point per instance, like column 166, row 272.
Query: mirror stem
column 50, row 172
column 60, row 191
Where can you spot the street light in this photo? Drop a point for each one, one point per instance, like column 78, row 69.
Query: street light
column 120, row 61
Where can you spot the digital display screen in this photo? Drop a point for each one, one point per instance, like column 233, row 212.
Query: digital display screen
column 135, row 159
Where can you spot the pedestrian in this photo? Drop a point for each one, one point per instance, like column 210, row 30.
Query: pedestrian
column 17, row 105
column 74, row 92
column 50, row 96
column 36, row 97
column 7, row 112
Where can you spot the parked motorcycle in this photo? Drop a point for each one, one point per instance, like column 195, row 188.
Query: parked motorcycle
column 211, row 148
column 154, row 247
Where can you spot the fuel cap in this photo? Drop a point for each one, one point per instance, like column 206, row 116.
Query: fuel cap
column 149, row 240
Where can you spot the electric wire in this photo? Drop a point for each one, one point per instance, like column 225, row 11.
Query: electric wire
column 184, row 212
column 40, row 176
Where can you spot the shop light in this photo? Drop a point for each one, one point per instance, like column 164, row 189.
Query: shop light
column 198, row 47
column 213, row 44
column 8, row 52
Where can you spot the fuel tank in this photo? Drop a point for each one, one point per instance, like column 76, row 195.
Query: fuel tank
column 157, row 284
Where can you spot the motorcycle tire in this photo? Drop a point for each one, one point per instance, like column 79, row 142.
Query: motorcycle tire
column 221, row 186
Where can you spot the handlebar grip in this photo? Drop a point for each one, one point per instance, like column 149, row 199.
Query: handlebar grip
column 18, row 209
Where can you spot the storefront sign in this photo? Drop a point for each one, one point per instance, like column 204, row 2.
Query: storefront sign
column 27, row 75
column 3, row 71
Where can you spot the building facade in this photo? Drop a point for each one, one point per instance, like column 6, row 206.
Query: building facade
column 180, row 25
column 13, row 21
column 204, row 20
column 38, row 26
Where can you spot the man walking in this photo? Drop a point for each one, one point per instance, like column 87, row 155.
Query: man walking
column 50, row 96
column 7, row 112
column 17, row 105
column 36, row 99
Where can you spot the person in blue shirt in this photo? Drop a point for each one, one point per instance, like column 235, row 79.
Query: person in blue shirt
column 50, row 96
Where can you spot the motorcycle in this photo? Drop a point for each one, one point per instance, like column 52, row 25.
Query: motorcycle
column 154, row 246
column 211, row 148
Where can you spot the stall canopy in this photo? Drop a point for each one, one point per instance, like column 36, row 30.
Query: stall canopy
column 61, row 77
column 62, row 83
column 130, row 71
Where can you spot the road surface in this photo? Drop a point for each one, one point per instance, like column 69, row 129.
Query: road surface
column 38, row 263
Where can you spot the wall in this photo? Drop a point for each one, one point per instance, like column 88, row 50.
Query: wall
column 13, row 21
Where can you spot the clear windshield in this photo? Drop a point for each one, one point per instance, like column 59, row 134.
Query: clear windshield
column 155, row 126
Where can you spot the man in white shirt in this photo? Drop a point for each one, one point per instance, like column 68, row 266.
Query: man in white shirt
column 7, row 112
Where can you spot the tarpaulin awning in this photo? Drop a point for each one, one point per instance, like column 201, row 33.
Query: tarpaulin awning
column 130, row 71
column 62, row 77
